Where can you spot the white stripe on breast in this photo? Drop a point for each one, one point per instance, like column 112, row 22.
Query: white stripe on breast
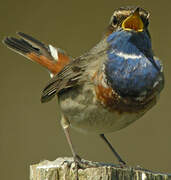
column 127, row 56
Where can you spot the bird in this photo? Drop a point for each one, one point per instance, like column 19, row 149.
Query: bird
column 109, row 86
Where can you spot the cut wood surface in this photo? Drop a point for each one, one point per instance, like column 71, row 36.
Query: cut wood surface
column 65, row 169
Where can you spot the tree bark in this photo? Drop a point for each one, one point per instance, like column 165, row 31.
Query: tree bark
column 65, row 169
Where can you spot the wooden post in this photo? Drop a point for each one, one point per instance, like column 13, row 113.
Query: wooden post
column 65, row 169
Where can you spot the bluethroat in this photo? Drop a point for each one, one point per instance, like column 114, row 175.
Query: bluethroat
column 108, row 87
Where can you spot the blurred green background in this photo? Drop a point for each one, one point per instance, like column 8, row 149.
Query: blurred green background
column 29, row 131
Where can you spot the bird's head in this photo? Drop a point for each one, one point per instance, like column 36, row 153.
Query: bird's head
column 129, row 19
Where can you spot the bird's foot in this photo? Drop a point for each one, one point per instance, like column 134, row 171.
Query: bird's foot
column 122, row 164
column 83, row 164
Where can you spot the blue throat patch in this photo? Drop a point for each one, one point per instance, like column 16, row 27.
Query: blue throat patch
column 130, row 68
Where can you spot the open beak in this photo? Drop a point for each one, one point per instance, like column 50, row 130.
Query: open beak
column 133, row 22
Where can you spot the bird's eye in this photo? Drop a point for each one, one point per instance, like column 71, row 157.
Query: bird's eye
column 115, row 21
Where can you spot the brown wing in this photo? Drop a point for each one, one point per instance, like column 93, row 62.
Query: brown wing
column 70, row 76
column 75, row 73
column 66, row 72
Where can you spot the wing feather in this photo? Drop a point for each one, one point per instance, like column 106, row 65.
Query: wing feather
column 75, row 73
column 69, row 77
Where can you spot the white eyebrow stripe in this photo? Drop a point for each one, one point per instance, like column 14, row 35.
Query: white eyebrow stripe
column 54, row 52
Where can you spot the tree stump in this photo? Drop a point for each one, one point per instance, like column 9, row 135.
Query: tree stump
column 65, row 169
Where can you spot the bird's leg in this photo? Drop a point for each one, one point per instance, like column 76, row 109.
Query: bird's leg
column 65, row 124
column 112, row 149
column 80, row 163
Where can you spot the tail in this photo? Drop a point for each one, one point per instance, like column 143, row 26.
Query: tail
column 54, row 59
